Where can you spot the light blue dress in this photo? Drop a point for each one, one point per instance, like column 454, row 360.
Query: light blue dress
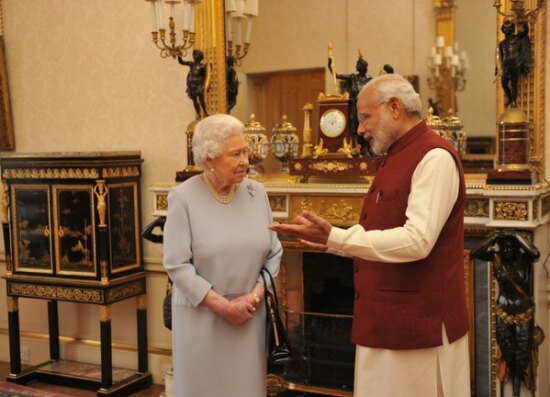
column 207, row 245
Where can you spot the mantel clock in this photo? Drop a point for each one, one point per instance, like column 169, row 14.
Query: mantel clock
column 333, row 132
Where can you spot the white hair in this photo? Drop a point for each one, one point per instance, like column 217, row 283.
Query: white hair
column 394, row 85
column 211, row 135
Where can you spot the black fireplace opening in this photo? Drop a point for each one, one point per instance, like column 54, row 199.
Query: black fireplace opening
column 326, row 355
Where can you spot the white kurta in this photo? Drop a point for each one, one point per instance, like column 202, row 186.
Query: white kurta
column 220, row 246
column 436, row 372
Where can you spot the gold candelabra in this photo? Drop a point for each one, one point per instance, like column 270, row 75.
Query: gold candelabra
column 448, row 68
column 518, row 9
column 238, row 13
column 166, row 40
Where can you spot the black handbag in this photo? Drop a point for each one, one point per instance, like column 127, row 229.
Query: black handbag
column 278, row 346
column 167, row 306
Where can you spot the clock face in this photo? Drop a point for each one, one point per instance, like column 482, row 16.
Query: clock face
column 333, row 123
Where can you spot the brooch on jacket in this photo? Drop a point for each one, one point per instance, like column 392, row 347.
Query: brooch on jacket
column 251, row 189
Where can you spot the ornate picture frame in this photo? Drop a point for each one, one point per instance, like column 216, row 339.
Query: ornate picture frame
column 7, row 138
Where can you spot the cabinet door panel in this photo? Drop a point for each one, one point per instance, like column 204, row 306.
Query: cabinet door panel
column 74, row 225
column 123, row 227
column 31, row 223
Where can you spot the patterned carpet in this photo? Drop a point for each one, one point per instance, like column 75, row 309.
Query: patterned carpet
column 8, row 389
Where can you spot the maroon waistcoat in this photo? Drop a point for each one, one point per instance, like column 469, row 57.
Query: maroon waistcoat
column 402, row 305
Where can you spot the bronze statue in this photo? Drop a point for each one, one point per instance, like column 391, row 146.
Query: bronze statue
column 196, row 82
column 515, row 59
column 232, row 83
column 352, row 83
column 513, row 257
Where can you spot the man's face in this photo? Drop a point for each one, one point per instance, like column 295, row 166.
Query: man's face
column 376, row 123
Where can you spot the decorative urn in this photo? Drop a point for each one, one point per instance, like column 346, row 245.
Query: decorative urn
column 454, row 132
column 284, row 143
column 257, row 144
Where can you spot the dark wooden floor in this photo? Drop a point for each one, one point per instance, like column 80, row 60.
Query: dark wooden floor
column 153, row 390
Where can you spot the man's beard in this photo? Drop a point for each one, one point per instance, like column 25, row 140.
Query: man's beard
column 384, row 137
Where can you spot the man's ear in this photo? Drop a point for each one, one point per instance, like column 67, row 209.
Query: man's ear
column 396, row 107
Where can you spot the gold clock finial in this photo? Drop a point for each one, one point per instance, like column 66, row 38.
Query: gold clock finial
column 332, row 66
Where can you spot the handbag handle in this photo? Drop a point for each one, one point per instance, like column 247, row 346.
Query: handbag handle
column 271, row 306
column 265, row 270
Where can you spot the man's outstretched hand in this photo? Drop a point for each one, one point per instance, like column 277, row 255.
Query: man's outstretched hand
column 311, row 230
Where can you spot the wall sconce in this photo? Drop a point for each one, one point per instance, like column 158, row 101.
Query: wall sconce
column 237, row 14
column 448, row 68
column 159, row 31
column 517, row 7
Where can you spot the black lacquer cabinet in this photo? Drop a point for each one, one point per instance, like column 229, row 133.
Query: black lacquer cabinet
column 71, row 225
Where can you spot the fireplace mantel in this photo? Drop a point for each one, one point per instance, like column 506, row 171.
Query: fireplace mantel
column 488, row 207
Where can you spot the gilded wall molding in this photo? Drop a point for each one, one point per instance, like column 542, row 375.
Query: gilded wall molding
column 71, row 340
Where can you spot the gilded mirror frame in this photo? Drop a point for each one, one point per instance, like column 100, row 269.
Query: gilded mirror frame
column 531, row 99
column 210, row 38
column 531, row 89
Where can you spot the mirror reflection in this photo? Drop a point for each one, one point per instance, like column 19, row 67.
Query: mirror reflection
column 287, row 64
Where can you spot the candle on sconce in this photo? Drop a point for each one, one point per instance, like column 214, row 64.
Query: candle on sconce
column 448, row 52
column 186, row 11
column 250, row 11
column 437, row 59
column 440, row 41
column 454, row 60
column 239, row 31
column 160, row 14
column 229, row 27
column 248, row 31
column 153, row 15
column 192, row 18
column 173, row 10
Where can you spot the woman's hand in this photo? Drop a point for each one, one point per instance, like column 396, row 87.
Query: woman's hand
column 238, row 311
column 254, row 297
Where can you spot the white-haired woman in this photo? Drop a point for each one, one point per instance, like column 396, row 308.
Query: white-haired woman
column 215, row 243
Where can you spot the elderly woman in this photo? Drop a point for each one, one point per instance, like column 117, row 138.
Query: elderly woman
column 215, row 243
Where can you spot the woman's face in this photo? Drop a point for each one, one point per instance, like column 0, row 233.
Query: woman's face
column 230, row 167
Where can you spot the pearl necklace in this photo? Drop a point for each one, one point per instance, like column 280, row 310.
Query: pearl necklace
column 220, row 197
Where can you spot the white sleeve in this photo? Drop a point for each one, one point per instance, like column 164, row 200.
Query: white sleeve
column 434, row 190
